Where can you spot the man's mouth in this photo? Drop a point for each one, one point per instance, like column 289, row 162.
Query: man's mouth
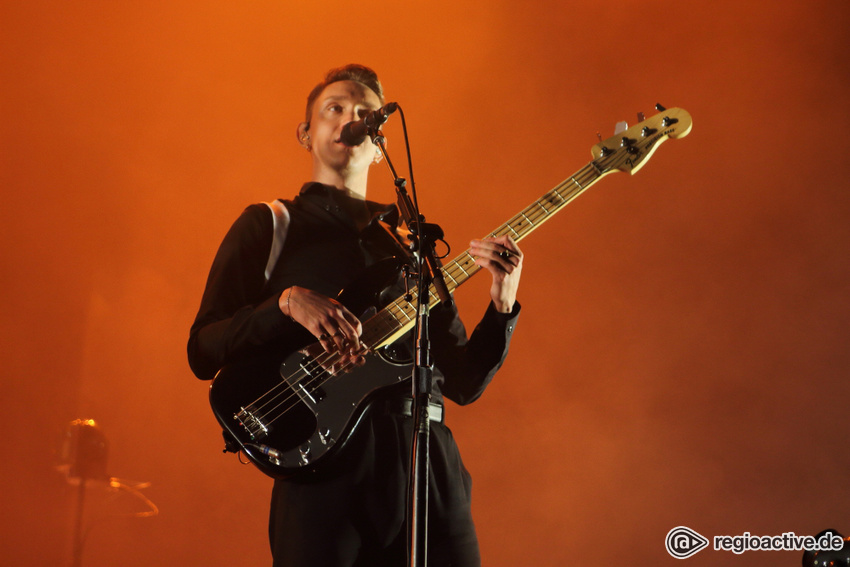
column 339, row 141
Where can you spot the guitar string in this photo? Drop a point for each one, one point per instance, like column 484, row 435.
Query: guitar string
column 308, row 377
column 588, row 175
column 320, row 363
column 298, row 378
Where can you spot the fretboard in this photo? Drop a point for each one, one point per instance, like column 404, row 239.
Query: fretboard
column 399, row 316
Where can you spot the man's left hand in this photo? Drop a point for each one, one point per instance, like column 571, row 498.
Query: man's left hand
column 503, row 259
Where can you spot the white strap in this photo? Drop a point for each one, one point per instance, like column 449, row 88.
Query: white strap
column 280, row 217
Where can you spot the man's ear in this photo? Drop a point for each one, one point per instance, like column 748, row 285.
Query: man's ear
column 303, row 135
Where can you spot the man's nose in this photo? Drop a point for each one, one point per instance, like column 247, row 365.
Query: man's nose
column 359, row 112
column 353, row 114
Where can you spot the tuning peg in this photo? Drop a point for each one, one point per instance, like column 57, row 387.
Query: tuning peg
column 641, row 117
column 659, row 108
column 598, row 135
column 621, row 127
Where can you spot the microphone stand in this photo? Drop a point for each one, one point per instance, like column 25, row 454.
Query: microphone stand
column 424, row 236
column 79, row 538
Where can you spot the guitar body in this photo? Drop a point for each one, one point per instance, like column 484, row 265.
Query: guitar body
column 288, row 413
column 283, row 420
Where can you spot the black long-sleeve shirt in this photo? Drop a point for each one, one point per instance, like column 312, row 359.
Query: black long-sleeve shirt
column 323, row 250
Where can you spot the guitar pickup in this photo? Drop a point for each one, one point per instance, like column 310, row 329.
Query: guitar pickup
column 314, row 395
column 314, row 374
column 312, row 369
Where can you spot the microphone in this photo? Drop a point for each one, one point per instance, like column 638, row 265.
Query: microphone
column 354, row 133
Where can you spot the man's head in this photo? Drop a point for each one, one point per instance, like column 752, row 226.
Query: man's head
column 347, row 94
column 350, row 72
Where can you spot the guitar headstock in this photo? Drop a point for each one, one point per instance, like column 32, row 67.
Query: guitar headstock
column 630, row 149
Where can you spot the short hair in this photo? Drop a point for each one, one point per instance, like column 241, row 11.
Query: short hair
column 350, row 72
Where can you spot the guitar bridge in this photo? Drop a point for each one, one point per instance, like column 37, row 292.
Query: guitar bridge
column 252, row 424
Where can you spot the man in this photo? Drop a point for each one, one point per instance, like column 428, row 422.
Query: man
column 271, row 289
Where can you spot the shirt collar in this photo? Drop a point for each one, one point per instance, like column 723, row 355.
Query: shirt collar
column 387, row 213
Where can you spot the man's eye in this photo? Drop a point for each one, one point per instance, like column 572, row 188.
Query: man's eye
column 335, row 108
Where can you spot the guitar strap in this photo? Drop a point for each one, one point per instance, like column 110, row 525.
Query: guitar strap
column 280, row 217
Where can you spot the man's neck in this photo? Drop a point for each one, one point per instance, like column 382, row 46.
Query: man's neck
column 353, row 185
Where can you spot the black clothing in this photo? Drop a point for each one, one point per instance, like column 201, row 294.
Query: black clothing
column 355, row 509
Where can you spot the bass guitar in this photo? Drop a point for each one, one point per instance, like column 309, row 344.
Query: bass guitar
column 289, row 414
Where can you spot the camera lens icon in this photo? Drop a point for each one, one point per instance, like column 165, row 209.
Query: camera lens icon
column 683, row 542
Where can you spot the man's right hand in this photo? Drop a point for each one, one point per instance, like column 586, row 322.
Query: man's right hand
column 336, row 328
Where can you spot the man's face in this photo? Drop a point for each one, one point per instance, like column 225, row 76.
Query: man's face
column 340, row 103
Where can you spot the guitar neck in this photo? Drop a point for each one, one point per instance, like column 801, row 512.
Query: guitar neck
column 627, row 151
column 400, row 315
column 522, row 224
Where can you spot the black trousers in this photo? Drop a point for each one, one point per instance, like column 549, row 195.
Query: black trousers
column 354, row 514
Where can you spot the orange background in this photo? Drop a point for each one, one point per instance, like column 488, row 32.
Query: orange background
column 682, row 356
